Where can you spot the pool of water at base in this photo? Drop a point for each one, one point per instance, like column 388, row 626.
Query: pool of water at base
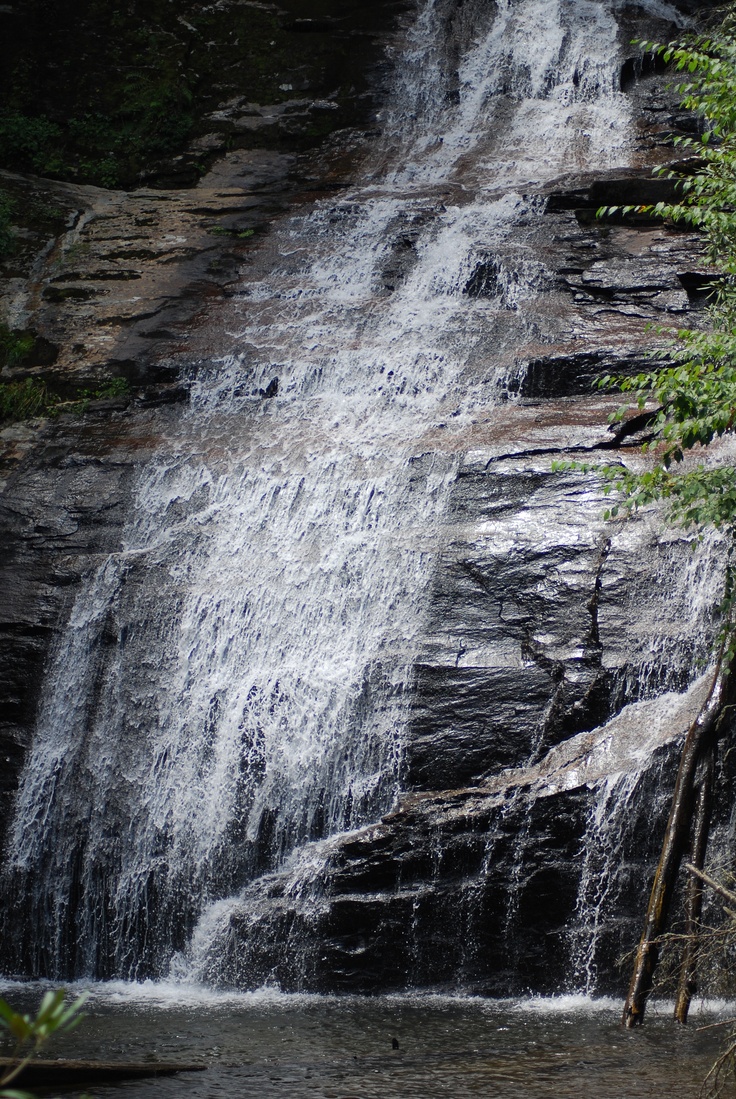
column 272, row 1046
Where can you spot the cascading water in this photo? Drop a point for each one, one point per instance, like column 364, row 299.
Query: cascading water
column 535, row 93
column 232, row 687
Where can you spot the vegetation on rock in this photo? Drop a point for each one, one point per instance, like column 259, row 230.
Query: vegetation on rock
column 691, row 396
column 15, row 347
column 24, row 400
column 7, row 236
column 31, row 397
column 106, row 93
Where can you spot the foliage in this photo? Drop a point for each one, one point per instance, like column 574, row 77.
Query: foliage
column 30, row 142
column 144, row 104
column 116, row 387
column 7, row 236
column 14, row 346
column 686, row 402
column 154, row 70
column 54, row 1016
column 242, row 234
column 24, row 400
column 691, row 394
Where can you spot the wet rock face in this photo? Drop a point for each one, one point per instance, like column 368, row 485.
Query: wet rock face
column 476, row 890
column 108, row 283
column 487, row 911
column 535, row 633
column 543, row 621
column 121, row 281
column 147, row 220
column 62, row 508
column 494, row 888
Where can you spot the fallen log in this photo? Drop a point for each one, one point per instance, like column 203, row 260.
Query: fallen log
column 77, row 1073
column 687, row 985
column 702, row 733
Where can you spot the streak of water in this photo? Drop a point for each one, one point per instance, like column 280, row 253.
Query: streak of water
column 536, row 93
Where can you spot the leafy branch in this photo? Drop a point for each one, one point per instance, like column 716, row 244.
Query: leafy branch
column 691, row 394
column 54, row 1016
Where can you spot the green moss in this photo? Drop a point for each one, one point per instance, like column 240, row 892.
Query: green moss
column 21, row 400
column 242, row 234
column 116, row 387
column 80, row 402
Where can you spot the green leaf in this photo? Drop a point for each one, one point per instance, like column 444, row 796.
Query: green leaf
column 693, row 376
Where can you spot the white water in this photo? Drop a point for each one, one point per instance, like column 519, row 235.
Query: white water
column 232, row 686
column 535, row 94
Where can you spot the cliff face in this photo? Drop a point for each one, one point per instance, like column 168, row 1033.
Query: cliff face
column 101, row 287
column 543, row 623
column 166, row 136
column 536, row 783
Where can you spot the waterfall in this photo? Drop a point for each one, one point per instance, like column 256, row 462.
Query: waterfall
column 231, row 690
column 535, row 93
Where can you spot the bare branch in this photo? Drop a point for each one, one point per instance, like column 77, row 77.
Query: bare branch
column 714, row 885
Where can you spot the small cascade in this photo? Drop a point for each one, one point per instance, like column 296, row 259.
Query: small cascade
column 619, row 839
column 678, row 631
column 268, row 934
column 229, row 701
column 603, row 870
column 265, row 710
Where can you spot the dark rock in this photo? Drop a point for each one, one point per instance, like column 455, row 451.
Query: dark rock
column 310, row 26
column 477, row 889
column 699, row 286
column 469, row 721
column 639, row 67
column 484, row 283
column 571, row 375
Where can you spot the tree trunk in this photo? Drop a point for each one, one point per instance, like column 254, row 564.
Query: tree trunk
column 694, row 894
column 700, row 735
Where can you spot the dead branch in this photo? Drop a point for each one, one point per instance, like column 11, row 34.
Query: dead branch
column 714, row 885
